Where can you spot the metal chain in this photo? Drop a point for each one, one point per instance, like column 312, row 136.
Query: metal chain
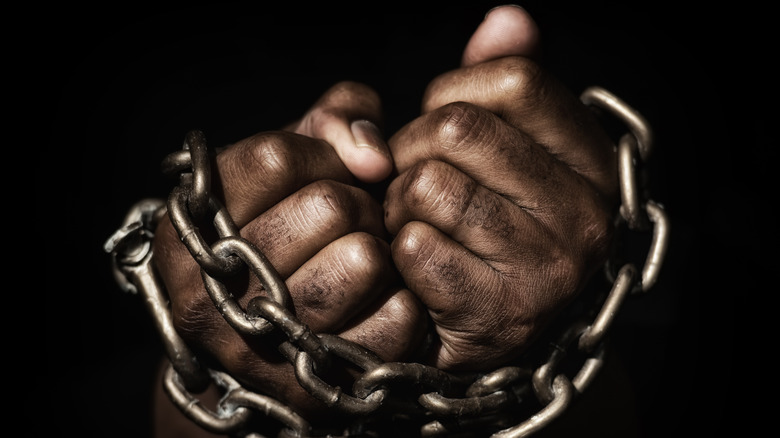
column 440, row 403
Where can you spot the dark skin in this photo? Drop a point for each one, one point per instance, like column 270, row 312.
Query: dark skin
column 497, row 211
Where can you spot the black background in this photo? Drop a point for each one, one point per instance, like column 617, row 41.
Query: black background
column 126, row 85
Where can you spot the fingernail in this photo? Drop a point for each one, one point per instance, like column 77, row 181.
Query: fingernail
column 501, row 6
column 367, row 135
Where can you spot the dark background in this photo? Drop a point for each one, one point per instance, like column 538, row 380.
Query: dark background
column 126, row 86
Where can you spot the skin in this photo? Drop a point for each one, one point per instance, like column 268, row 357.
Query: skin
column 323, row 235
column 503, row 206
column 498, row 212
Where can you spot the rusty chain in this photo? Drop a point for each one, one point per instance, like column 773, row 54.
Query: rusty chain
column 442, row 403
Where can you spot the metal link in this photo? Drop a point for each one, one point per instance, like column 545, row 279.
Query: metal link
column 222, row 421
column 656, row 252
column 261, row 267
column 177, row 163
column 392, row 373
column 589, row 370
column 497, row 380
column 593, row 334
column 633, row 148
column 131, row 252
column 333, row 396
column 240, row 397
column 545, row 375
column 637, row 124
column 563, row 393
column 354, row 353
column 658, row 247
column 631, row 208
column 465, row 426
column 200, row 194
column 446, row 403
column 437, row 404
column 131, row 244
column 297, row 333
column 194, row 241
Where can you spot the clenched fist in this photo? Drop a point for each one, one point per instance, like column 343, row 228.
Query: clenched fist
column 504, row 201
column 295, row 197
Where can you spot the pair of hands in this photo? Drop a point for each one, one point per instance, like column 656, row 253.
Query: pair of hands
column 498, row 208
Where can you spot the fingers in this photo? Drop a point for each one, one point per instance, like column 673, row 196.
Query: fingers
column 494, row 154
column 394, row 326
column 258, row 172
column 491, row 267
column 297, row 228
column 486, row 223
column 345, row 286
column 290, row 194
column 325, row 239
column 483, row 316
column 503, row 204
column 329, row 255
column 341, row 280
column 348, row 117
column 521, row 93
column 506, row 31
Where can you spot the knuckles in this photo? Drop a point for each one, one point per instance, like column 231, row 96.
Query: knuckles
column 364, row 252
column 328, row 203
column 395, row 330
column 519, row 78
column 434, row 186
column 275, row 159
column 336, row 103
column 515, row 78
column 266, row 156
column 456, row 126
column 413, row 249
column 553, row 278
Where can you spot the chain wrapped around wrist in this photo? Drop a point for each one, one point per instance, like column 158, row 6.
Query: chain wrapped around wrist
column 512, row 401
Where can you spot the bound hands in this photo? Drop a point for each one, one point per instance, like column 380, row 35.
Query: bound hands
column 498, row 210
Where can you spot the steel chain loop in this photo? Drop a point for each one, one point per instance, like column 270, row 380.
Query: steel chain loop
column 441, row 403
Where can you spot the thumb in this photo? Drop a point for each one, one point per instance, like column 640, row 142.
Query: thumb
column 506, row 30
column 348, row 117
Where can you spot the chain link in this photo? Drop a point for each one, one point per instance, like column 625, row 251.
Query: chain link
column 440, row 403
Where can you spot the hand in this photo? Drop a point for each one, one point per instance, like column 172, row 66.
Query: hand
column 293, row 196
column 346, row 117
column 503, row 204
